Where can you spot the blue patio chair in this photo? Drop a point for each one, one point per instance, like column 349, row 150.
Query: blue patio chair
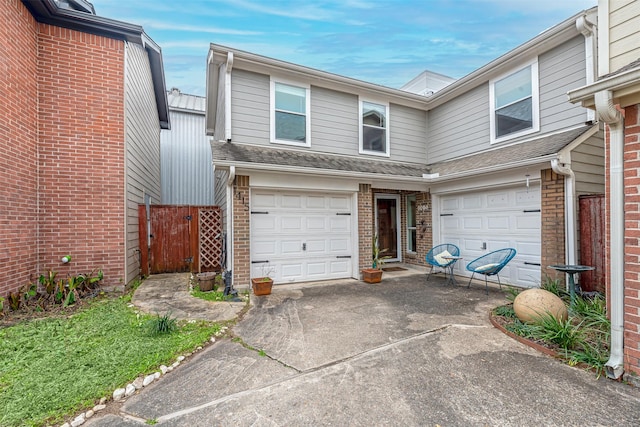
column 490, row 265
column 435, row 254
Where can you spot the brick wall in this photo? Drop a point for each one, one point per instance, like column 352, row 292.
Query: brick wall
column 81, row 152
column 632, row 240
column 18, row 145
column 552, row 218
column 424, row 227
column 241, row 232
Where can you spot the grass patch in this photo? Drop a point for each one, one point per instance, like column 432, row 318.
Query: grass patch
column 55, row 367
column 210, row 295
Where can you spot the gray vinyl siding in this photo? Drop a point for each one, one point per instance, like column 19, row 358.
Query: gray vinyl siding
column 461, row 126
column 187, row 171
column 588, row 163
column 220, row 197
column 142, row 137
column 334, row 120
column 560, row 70
column 408, row 134
column 249, row 108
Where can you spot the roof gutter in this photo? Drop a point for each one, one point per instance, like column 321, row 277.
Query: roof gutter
column 608, row 112
column 619, row 84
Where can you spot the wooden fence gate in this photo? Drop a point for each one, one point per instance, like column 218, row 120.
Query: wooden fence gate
column 592, row 242
column 180, row 238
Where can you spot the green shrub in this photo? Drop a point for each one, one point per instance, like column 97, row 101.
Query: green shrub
column 505, row 311
column 561, row 332
column 160, row 325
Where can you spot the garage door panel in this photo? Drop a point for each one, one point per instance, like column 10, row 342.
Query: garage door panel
column 263, row 223
column 317, row 246
column 315, row 202
column 472, row 223
column 531, row 249
column 473, row 201
column 449, row 223
column 291, row 223
column 527, row 222
column 260, row 200
column 291, row 201
column 341, row 203
column 449, row 203
column 316, row 224
column 526, row 197
column 264, row 248
column 496, row 200
column 498, row 223
column 340, row 223
column 291, row 247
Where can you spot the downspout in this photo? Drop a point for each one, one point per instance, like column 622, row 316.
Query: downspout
column 229, row 230
column 589, row 31
column 227, row 97
column 570, row 208
column 607, row 112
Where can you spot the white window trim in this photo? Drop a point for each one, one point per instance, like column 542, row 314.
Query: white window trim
column 361, row 150
column 535, row 103
column 272, row 112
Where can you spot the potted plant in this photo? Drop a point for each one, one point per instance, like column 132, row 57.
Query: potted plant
column 262, row 285
column 374, row 274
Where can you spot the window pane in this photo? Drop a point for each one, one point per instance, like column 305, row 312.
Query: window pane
column 374, row 114
column 291, row 126
column 374, row 139
column 513, row 88
column 514, row 117
column 411, row 211
column 290, row 98
column 412, row 241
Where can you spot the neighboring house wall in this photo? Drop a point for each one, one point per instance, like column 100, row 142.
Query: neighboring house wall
column 623, row 33
column 334, row 120
column 18, row 146
column 461, row 126
column 187, row 175
column 81, row 145
column 142, row 149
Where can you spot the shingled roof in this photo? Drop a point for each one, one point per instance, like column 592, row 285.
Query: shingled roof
column 227, row 153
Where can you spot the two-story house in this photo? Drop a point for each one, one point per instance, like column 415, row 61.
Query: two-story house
column 313, row 165
column 615, row 96
column 83, row 103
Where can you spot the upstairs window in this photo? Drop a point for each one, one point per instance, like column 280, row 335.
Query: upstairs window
column 374, row 128
column 514, row 104
column 290, row 114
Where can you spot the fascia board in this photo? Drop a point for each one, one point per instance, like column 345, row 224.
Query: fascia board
column 540, row 44
column 240, row 166
column 261, row 64
column 493, row 169
column 622, row 84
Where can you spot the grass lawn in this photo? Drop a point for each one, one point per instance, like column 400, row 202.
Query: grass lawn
column 52, row 368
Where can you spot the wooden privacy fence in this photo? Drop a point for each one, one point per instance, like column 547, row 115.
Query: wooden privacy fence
column 180, row 238
column 592, row 243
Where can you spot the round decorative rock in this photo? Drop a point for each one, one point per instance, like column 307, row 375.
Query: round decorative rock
column 529, row 305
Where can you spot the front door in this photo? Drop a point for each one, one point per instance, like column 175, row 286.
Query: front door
column 388, row 225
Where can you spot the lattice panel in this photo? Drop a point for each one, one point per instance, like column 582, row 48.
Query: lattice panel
column 210, row 228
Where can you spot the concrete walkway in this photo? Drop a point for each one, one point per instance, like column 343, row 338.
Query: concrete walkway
column 404, row 352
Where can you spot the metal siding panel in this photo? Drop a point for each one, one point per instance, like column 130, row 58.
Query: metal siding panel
column 187, row 172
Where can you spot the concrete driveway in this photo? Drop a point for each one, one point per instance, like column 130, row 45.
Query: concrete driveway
column 404, row 352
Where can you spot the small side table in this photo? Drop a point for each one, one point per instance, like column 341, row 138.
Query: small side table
column 451, row 281
column 571, row 270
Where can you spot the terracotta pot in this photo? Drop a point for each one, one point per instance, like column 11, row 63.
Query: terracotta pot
column 261, row 285
column 372, row 275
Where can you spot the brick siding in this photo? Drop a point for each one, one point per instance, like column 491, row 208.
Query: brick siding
column 632, row 240
column 63, row 168
column 552, row 222
column 18, row 149
column 365, row 224
column 241, row 232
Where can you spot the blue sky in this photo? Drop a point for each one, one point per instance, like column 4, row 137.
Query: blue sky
column 387, row 42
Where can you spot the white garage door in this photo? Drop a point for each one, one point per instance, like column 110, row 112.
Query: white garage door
column 481, row 222
column 301, row 236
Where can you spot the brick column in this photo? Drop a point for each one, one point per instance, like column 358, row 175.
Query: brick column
column 632, row 241
column 424, row 226
column 241, row 232
column 552, row 218
column 365, row 225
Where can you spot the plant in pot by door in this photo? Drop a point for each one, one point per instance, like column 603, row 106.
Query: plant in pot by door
column 374, row 274
column 262, row 285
